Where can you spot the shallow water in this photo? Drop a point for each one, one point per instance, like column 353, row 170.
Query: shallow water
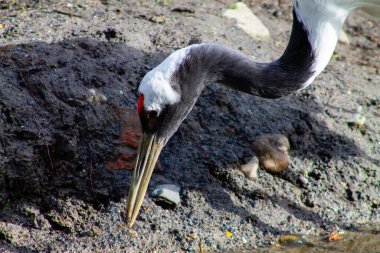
column 351, row 242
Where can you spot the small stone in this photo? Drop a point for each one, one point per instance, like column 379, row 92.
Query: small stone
column 133, row 234
column 343, row 38
column 158, row 19
column 291, row 240
column 247, row 21
column 309, row 202
column 357, row 120
column 92, row 91
column 250, row 169
column 102, row 98
column 193, row 236
column 167, row 195
column 303, row 181
column 95, row 231
column 143, row 217
column 272, row 151
column 96, row 97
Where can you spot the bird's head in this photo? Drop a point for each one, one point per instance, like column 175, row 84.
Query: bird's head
column 159, row 97
column 161, row 109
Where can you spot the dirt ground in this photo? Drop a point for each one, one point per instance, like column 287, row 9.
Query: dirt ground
column 57, row 190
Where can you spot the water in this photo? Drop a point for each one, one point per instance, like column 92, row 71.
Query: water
column 348, row 242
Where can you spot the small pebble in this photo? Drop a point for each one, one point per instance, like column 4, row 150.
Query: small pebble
column 250, row 169
column 95, row 231
column 158, row 19
column 133, row 233
column 96, row 97
column 357, row 120
column 303, row 181
column 291, row 240
column 193, row 236
column 343, row 38
column 167, row 194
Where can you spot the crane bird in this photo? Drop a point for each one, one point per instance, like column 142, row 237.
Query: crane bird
column 169, row 91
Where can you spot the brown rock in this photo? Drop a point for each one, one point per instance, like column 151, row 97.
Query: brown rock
column 157, row 19
column 272, row 151
column 193, row 236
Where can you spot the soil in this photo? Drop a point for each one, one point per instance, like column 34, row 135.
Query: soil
column 63, row 149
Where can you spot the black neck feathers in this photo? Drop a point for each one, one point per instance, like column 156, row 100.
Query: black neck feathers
column 207, row 63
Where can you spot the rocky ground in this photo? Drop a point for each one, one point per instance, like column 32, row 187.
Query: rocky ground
column 68, row 78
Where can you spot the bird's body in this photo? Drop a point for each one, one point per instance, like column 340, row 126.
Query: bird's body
column 169, row 91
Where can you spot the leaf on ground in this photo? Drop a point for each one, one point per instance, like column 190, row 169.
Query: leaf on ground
column 335, row 236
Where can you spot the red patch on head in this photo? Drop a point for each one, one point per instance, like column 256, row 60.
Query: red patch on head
column 140, row 104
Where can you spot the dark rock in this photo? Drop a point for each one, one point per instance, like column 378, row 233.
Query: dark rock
column 183, row 9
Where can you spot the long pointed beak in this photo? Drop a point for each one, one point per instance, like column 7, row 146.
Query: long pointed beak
column 147, row 155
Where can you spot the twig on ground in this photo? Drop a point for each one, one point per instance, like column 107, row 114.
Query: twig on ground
column 67, row 13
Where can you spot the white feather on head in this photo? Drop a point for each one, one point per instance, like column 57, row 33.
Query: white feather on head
column 157, row 87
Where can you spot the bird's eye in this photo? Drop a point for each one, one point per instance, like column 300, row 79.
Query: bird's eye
column 152, row 114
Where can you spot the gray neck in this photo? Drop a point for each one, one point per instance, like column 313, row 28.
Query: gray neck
column 207, row 63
